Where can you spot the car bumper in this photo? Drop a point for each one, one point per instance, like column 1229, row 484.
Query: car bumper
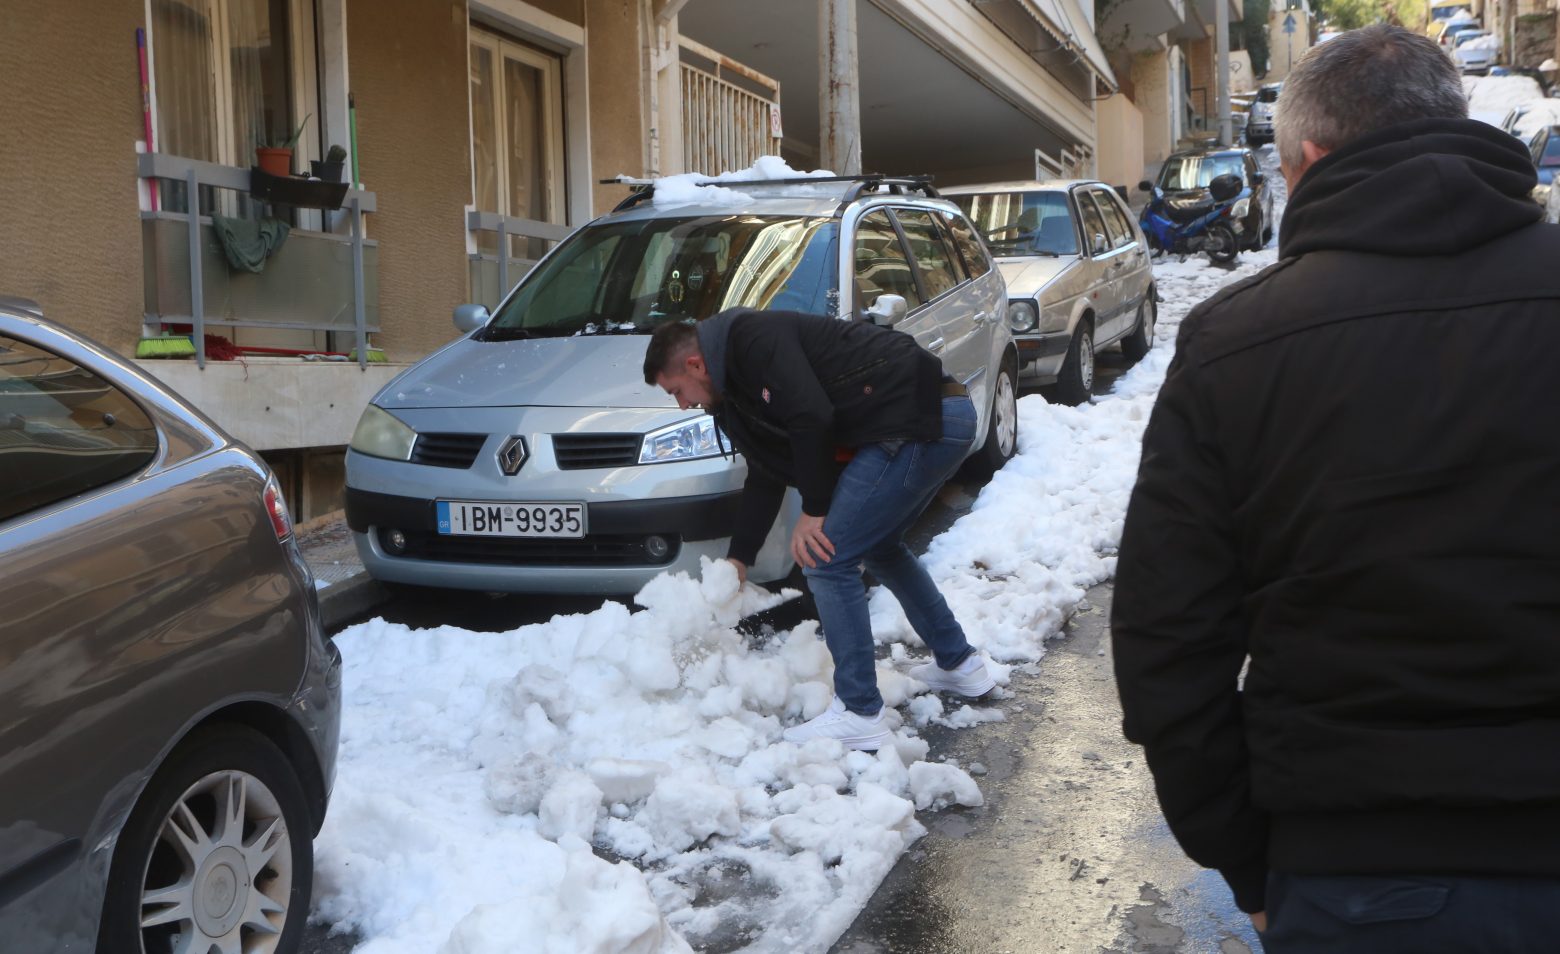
column 614, row 557
column 1259, row 131
column 1040, row 355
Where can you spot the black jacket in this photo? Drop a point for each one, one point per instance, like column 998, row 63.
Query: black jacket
column 794, row 388
column 1353, row 474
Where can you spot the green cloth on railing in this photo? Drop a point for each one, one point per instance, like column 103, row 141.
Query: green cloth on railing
column 247, row 243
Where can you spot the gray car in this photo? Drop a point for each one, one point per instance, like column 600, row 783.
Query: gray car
column 169, row 705
column 1078, row 275
column 530, row 456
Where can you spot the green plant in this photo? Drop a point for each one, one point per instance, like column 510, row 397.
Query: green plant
column 265, row 142
column 335, row 154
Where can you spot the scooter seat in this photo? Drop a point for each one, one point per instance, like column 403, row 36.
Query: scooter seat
column 1189, row 210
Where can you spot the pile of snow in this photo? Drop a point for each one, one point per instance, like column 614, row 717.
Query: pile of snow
column 1492, row 98
column 695, row 188
column 616, row 781
column 1488, row 41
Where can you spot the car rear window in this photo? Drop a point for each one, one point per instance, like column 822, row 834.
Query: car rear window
column 63, row 430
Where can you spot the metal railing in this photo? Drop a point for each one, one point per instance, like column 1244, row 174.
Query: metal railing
column 726, row 126
column 511, row 226
column 195, row 173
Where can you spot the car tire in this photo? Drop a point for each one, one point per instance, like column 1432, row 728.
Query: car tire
column 1075, row 382
column 1220, row 244
column 1138, row 343
column 197, row 786
column 1002, row 423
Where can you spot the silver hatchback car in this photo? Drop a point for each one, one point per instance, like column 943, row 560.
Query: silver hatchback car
column 1078, row 275
column 530, row 456
column 169, row 705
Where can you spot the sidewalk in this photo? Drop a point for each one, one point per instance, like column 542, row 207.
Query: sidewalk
column 346, row 590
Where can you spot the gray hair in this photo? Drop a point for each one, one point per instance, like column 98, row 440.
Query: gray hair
column 1361, row 81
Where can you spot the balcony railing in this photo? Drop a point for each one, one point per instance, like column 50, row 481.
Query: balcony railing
column 304, row 287
column 510, row 268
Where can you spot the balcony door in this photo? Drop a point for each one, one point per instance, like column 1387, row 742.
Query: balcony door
column 516, row 140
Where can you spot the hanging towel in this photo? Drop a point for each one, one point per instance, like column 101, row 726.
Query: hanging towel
column 247, row 243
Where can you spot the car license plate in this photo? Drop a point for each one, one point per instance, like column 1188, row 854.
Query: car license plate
column 474, row 518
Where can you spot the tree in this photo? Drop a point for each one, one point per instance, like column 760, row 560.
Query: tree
column 1255, row 27
column 1350, row 14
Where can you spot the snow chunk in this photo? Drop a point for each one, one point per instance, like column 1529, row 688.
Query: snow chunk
column 570, row 807
column 688, row 807
column 936, row 785
column 694, row 188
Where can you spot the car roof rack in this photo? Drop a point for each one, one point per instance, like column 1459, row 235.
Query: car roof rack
column 867, row 182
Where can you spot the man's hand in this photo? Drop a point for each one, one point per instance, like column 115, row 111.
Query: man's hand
column 809, row 546
column 1259, row 921
column 741, row 569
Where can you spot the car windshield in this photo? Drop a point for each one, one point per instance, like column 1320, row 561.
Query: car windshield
column 1195, row 172
column 1022, row 223
column 1551, row 157
column 1267, row 94
column 1463, row 38
column 628, row 277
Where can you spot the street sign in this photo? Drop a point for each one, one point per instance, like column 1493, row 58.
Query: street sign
column 1289, row 23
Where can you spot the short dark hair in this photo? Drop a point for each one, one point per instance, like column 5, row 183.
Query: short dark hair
column 669, row 344
column 1363, row 80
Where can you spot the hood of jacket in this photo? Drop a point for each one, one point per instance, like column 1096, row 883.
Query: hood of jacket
column 1428, row 187
column 714, row 332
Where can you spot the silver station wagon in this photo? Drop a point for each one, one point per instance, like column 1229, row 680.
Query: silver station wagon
column 530, row 456
column 1078, row 275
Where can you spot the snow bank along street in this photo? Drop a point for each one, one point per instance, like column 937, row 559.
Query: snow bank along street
column 478, row 770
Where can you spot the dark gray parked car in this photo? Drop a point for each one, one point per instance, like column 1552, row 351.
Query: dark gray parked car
column 169, row 705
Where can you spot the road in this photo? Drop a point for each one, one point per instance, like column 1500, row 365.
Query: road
column 500, row 613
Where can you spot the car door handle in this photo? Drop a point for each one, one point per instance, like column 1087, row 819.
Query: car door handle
column 981, row 317
column 935, row 346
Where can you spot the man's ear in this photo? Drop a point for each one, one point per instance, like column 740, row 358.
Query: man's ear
column 1312, row 152
column 695, row 363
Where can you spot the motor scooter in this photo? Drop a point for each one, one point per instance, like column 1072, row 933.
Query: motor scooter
column 1202, row 223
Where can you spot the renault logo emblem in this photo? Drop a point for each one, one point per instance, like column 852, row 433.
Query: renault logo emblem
column 512, row 455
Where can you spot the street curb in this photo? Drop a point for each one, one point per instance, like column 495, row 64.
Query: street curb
column 352, row 597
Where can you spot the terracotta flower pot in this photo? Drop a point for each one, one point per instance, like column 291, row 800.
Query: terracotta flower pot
column 277, row 162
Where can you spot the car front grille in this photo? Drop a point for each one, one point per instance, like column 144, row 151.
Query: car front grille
column 447, row 450
column 592, row 550
column 587, row 451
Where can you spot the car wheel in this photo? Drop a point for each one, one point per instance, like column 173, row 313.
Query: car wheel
column 1075, row 383
column 1002, row 428
column 1220, row 244
column 216, row 855
column 1137, row 344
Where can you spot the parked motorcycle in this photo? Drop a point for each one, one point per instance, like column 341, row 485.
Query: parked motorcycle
column 1202, row 222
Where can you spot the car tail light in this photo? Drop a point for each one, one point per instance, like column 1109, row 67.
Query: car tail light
column 276, row 506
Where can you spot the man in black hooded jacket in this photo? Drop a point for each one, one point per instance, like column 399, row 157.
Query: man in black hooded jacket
column 1352, row 479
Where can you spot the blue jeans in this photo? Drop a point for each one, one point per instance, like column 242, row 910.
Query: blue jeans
column 880, row 494
column 1411, row 914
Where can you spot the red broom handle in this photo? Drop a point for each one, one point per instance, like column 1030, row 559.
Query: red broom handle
column 146, row 103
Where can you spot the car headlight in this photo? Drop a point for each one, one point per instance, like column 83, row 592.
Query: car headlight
column 1242, row 209
column 689, row 440
column 381, row 434
column 1023, row 316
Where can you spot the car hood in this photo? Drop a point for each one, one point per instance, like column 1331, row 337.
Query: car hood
column 1026, row 276
column 582, row 371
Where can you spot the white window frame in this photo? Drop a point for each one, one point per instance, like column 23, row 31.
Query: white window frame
column 551, row 68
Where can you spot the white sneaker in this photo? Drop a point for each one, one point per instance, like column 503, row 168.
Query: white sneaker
column 839, row 723
column 969, row 678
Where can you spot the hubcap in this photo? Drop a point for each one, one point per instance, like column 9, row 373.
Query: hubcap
column 1007, row 415
column 220, row 873
column 1086, row 361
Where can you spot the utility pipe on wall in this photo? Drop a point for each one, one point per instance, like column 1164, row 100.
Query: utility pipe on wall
column 1222, row 43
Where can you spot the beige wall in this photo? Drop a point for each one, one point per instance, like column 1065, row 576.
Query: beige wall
column 1151, row 83
column 1120, row 141
column 570, row 10
column 617, row 132
column 408, row 62
column 1284, row 50
column 70, row 232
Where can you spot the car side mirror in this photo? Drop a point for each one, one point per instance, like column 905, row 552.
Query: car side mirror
column 1145, row 186
column 888, row 310
column 469, row 318
column 1101, row 246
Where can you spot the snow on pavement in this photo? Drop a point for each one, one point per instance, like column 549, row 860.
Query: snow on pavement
column 477, row 770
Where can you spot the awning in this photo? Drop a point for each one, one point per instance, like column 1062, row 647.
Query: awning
column 1066, row 20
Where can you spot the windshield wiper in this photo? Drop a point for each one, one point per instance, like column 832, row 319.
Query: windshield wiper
column 508, row 334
